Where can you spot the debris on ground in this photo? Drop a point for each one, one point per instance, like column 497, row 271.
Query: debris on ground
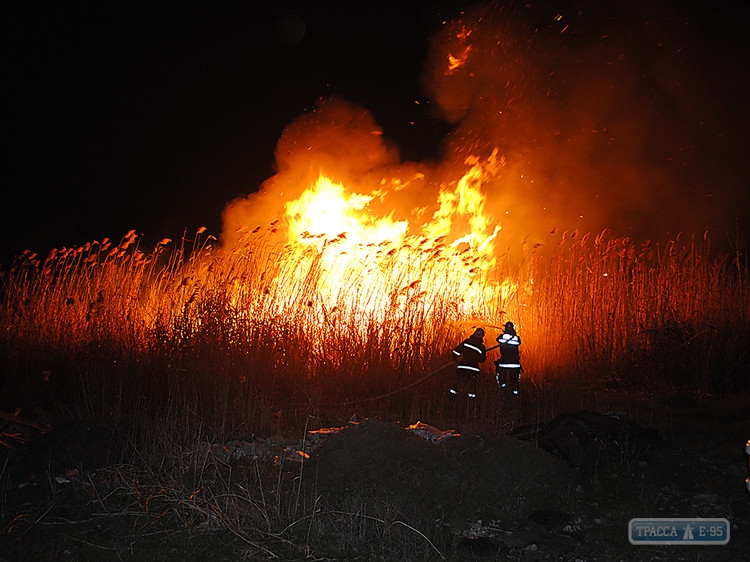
column 431, row 433
column 17, row 430
column 270, row 449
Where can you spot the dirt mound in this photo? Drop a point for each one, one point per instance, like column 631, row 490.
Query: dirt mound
column 509, row 498
column 454, row 482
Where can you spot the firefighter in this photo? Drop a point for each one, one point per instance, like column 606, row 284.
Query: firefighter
column 468, row 355
column 508, row 368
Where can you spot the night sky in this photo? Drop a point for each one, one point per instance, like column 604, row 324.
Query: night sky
column 154, row 119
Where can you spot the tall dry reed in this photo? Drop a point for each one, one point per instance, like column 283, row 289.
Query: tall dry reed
column 262, row 336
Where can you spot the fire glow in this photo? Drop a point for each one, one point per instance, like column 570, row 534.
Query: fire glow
column 351, row 264
column 344, row 256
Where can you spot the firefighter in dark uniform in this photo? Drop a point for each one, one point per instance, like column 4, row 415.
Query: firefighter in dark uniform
column 508, row 368
column 469, row 354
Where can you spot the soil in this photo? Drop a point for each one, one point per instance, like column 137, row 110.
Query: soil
column 564, row 489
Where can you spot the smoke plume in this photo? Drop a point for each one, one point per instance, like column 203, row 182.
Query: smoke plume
column 604, row 116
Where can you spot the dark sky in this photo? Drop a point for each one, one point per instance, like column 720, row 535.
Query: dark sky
column 154, row 119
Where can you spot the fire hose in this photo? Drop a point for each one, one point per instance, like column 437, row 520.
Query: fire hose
column 413, row 383
column 392, row 392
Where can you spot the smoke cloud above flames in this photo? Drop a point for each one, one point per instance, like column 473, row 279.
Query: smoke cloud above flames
column 343, row 142
column 598, row 120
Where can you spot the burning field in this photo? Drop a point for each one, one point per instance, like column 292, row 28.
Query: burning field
column 339, row 289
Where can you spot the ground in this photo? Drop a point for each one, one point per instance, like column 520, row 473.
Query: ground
column 561, row 489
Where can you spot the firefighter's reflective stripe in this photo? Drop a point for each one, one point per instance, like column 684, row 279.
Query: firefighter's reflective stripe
column 472, row 395
column 509, row 365
column 508, row 339
column 468, row 368
column 456, row 353
column 475, row 348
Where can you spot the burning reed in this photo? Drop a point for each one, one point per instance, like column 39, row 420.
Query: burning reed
column 265, row 334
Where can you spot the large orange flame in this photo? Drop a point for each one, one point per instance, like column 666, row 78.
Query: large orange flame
column 365, row 261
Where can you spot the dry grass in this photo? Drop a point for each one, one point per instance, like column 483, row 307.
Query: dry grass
column 192, row 345
column 266, row 335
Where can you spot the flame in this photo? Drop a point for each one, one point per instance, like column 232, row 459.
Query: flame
column 455, row 62
column 368, row 262
column 326, row 211
column 363, row 236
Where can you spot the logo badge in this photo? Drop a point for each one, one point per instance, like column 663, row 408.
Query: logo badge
column 678, row 531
